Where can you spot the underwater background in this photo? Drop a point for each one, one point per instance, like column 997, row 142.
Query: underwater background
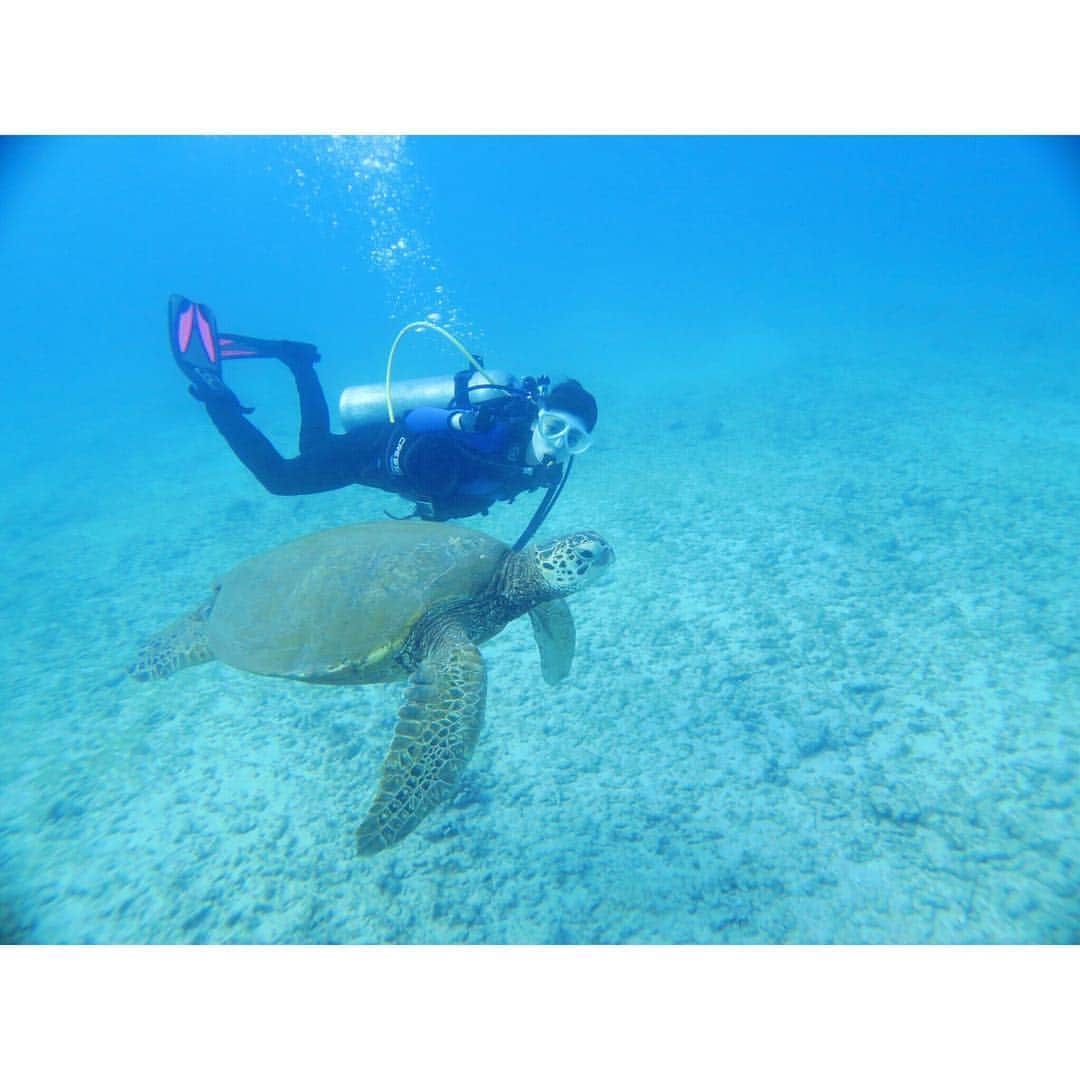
column 830, row 692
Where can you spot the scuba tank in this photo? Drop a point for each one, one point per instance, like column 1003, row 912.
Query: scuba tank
column 366, row 404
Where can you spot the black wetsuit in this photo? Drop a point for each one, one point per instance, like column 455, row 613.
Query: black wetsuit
column 448, row 473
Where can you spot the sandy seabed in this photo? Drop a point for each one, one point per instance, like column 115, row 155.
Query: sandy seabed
column 830, row 692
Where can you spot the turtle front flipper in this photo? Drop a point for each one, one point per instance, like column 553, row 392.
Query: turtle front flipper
column 438, row 725
column 181, row 644
column 553, row 628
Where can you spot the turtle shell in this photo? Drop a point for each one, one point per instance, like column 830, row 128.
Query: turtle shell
column 338, row 605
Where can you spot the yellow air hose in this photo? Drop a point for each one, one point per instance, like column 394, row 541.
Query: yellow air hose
column 423, row 324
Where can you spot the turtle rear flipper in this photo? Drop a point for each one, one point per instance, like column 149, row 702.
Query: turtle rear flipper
column 438, row 725
column 181, row 644
column 553, row 628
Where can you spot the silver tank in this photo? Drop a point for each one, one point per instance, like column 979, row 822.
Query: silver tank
column 366, row 404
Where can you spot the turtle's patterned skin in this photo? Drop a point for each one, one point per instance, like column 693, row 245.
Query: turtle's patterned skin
column 384, row 602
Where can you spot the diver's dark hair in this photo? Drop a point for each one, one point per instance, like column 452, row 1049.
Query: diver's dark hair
column 570, row 396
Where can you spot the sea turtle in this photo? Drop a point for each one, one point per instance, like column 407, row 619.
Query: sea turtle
column 382, row 602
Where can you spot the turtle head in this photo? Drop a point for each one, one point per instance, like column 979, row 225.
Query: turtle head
column 574, row 561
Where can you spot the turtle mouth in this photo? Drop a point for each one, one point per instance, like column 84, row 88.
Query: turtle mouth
column 603, row 555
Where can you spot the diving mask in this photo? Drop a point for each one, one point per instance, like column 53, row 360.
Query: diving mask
column 559, row 435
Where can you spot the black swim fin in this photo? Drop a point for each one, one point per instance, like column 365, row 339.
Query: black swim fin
column 193, row 338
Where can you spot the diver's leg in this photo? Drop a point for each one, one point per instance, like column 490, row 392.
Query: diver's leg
column 314, row 413
column 248, row 443
column 334, row 462
column 300, row 358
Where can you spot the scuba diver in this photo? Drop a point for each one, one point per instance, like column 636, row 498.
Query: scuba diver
column 460, row 445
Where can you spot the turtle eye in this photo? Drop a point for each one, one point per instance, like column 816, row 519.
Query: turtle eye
column 586, row 553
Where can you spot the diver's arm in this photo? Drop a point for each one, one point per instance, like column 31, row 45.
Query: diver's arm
column 471, row 428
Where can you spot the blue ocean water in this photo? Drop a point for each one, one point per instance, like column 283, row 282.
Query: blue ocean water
column 830, row 693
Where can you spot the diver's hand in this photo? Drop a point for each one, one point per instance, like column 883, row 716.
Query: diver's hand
column 472, row 421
